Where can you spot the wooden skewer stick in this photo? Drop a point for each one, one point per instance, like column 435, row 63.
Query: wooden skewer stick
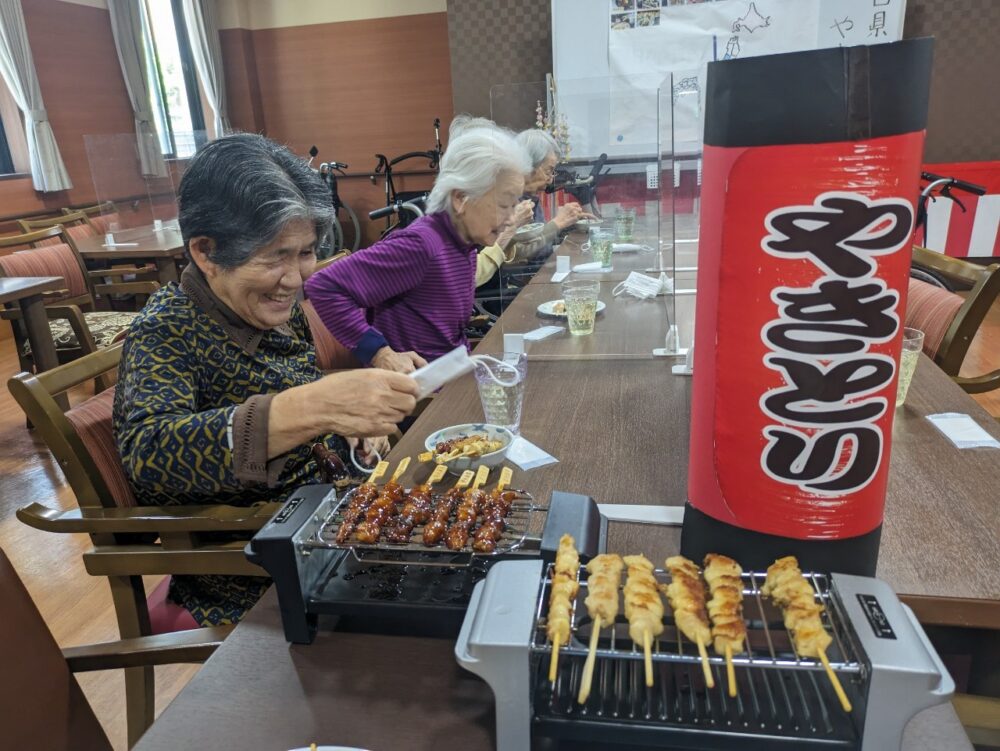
column 730, row 670
column 844, row 701
column 646, row 648
column 403, row 464
column 709, row 680
column 588, row 666
column 554, row 664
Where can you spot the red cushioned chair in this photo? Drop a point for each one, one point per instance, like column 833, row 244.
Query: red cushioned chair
column 129, row 541
column 41, row 704
column 950, row 320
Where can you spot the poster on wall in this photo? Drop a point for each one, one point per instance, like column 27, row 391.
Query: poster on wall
column 650, row 41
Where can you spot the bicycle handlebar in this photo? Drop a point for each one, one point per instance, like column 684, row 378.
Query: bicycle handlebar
column 384, row 211
column 953, row 182
column 415, row 207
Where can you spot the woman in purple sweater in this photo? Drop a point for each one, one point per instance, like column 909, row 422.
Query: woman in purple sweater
column 407, row 298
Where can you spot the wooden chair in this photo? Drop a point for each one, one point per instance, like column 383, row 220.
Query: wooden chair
column 41, row 704
column 949, row 320
column 77, row 328
column 76, row 224
column 129, row 541
column 101, row 215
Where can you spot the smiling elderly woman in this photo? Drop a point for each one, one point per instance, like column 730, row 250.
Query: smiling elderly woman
column 219, row 398
column 408, row 297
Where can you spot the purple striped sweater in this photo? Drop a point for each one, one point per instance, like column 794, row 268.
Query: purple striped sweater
column 413, row 291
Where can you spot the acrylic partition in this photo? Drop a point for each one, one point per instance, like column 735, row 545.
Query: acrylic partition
column 587, row 289
column 681, row 128
column 134, row 197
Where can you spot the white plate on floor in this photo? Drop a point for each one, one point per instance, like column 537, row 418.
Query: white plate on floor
column 549, row 308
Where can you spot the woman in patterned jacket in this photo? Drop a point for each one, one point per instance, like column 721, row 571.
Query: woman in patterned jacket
column 219, row 398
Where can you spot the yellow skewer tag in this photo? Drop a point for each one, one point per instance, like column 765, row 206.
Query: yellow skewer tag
column 403, row 465
column 437, row 474
column 465, row 479
column 380, row 469
column 506, row 475
column 425, row 457
column 482, row 474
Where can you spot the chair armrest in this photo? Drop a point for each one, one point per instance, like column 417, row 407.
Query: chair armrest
column 979, row 384
column 77, row 322
column 141, row 272
column 196, row 645
column 126, row 288
column 157, row 519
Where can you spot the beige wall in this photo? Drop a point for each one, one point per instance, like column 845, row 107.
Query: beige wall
column 279, row 14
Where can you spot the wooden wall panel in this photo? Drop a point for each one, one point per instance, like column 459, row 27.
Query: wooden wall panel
column 246, row 112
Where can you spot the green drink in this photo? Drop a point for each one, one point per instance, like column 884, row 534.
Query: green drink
column 580, row 299
column 601, row 247
column 624, row 224
column 913, row 342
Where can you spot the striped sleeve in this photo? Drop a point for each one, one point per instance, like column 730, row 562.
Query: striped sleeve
column 343, row 291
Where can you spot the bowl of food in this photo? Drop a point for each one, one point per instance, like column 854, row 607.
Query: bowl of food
column 469, row 446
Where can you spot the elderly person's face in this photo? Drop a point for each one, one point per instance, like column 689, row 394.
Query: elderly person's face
column 542, row 175
column 263, row 290
column 482, row 219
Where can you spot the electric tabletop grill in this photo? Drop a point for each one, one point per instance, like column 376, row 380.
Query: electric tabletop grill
column 371, row 587
column 880, row 653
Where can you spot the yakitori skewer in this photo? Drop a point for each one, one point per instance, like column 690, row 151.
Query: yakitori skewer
column 468, row 511
column 561, row 595
column 729, row 632
column 494, row 514
column 643, row 607
column 786, row 585
column 604, row 573
column 360, row 501
column 434, row 529
column 417, row 508
column 687, row 599
column 383, row 507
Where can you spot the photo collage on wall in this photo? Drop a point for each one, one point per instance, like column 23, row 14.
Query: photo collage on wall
column 640, row 14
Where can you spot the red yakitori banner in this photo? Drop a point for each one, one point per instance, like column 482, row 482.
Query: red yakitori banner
column 803, row 267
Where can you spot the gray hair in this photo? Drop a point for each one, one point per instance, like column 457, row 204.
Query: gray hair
column 539, row 145
column 472, row 163
column 243, row 190
column 463, row 123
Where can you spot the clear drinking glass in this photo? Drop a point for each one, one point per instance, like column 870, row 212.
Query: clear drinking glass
column 502, row 403
column 580, row 299
column 913, row 343
column 624, row 224
column 601, row 247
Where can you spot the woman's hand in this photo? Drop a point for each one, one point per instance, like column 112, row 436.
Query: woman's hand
column 523, row 212
column 398, row 362
column 569, row 214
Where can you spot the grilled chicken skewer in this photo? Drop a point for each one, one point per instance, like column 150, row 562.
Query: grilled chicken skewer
column 468, row 512
column 643, row 607
column 494, row 514
column 370, row 530
column 561, row 596
column 786, row 585
column 729, row 632
column 434, row 529
column 604, row 576
column 360, row 501
column 687, row 599
column 416, row 510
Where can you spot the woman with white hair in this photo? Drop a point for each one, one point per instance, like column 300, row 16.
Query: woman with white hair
column 407, row 298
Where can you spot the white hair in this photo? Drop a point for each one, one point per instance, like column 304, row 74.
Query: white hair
column 472, row 163
column 539, row 145
column 463, row 123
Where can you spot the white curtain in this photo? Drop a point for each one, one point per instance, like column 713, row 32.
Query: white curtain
column 201, row 19
column 126, row 25
column 48, row 173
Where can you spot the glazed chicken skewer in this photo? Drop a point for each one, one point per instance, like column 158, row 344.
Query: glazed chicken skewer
column 643, row 607
column 786, row 585
column 468, row 512
column 604, row 576
column 370, row 530
column 434, row 529
column 494, row 514
column 416, row 510
column 729, row 632
column 687, row 599
column 561, row 596
column 363, row 497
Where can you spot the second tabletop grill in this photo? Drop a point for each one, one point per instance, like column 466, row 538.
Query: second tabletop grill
column 882, row 656
column 376, row 587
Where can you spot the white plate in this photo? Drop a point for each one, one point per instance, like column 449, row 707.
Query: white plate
column 549, row 308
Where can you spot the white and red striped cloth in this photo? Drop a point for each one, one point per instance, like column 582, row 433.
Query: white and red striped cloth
column 975, row 233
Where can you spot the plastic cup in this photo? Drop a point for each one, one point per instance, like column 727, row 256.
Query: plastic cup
column 624, row 224
column 601, row 247
column 502, row 402
column 913, row 343
column 580, row 299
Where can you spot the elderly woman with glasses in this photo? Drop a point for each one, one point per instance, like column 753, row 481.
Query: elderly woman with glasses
column 219, row 399
column 408, row 297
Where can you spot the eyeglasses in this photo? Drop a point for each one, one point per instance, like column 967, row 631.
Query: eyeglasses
column 549, row 172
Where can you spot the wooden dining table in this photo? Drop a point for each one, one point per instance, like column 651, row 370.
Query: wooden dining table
column 618, row 426
column 163, row 247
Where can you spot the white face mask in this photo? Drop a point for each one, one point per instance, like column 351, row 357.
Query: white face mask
column 644, row 287
column 458, row 362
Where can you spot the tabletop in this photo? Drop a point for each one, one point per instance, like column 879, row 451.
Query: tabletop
column 143, row 242
column 13, row 288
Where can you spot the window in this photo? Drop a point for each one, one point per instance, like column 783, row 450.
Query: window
column 173, row 84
